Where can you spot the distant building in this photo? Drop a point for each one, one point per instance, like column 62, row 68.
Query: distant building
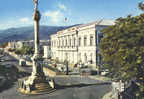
column 11, row 45
column 79, row 43
column 47, row 52
column 20, row 44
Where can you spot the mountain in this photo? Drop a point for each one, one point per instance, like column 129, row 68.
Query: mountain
column 25, row 33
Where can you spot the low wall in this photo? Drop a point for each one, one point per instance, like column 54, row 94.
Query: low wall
column 47, row 71
column 51, row 73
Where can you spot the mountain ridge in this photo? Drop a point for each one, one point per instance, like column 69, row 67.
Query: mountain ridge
column 25, row 33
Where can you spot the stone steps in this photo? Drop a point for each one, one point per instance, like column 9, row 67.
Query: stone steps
column 42, row 91
column 39, row 88
column 42, row 85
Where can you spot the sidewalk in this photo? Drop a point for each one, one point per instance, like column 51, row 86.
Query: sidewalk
column 107, row 96
column 2, row 82
column 17, row 57
column 101, row 78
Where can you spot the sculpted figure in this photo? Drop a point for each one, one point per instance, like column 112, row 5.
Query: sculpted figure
column 36, row 4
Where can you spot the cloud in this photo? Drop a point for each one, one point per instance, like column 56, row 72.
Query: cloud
column 56, row 16
column 16, row 22
column 62, row 7
column 24, row 20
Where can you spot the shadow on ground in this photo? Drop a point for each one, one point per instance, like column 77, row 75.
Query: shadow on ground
column 59, row 87
column 10, row 76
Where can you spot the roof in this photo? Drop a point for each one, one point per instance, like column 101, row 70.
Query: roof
column 98, row 22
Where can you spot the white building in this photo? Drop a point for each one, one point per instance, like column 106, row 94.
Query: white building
column 47, row 52
column 79, row 43
column 11, row 45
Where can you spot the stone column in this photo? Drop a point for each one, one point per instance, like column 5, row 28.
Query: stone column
column 36, row 18
column 36, row 36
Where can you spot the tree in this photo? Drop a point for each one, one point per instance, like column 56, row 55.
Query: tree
column 25, row 50
column 141, row 6
column 122, row 49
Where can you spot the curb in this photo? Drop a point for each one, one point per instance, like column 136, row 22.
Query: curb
column 2, row 82
column 100, row 78
column 107, row 95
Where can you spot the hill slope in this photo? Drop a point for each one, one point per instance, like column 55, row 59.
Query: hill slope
column 25, row 33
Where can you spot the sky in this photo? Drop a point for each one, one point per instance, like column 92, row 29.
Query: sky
column 18, row 13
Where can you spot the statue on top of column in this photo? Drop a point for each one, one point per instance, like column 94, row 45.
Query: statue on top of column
column 36, row 4
column 36, row 15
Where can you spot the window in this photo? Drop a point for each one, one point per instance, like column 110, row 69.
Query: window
column 91, row 60
column 74, row 42
column 70, row 42
column 85, row 41
column 85, row 57
column 66, row 42
column 91, row 40
column 79, row 42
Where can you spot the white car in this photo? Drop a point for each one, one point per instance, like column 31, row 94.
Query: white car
column 104, row 72
column 60, row 68
column 2, row 60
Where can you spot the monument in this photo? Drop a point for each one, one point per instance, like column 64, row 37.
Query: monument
column 36, row 83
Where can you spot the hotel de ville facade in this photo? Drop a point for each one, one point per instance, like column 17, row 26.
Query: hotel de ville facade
column 79, row 43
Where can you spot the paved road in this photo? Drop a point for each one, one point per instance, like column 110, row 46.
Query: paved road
column 74, row 92
column 9, row 60
column 71, row 87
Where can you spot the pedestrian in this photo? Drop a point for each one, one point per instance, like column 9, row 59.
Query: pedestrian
column 66, row 64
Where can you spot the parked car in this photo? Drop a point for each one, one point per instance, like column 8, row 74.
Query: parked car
column 1, row 60
column 104, row 72
column 22, row 62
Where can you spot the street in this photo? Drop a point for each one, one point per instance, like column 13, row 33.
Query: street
column 70, row 87
column 74, row 92
column 8, row 60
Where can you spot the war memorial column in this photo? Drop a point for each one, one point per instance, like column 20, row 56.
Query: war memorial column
column 36, row 83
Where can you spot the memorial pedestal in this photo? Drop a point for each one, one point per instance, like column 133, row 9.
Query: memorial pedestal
column 37, row 82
